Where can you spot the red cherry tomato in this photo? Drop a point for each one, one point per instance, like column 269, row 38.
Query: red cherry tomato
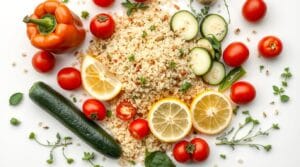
column 139, row 129
column 181, row 151
column 254, row 10
column 125, row 110
column 270, row 47
column 43, row 61
column 104, row 3
column 242, row 92
column 102, row 26
column 235, row 54
column 69, row 78
column 94, row 109
column 201, row 149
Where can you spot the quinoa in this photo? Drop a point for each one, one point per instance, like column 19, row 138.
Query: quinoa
column 151, row 62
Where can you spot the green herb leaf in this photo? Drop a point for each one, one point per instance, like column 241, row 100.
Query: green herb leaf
column 158, row 159
column 32, row 135
column 235, row 110
column 152, row 28
column 64, row 1
column 131, row 6
column 144, row 35
column 143, row 81
column 131, row 58
column 88, row 156
column 15, row 99
column 223, row 156
column 109, row 113
column 275, row 126
column 261, row 68
column 245, row 112
column 15, row 122
column 185, row 87
column 172, row 65
column 284, row 98
column 85, row 14
column 233, row 75
column 268, row 147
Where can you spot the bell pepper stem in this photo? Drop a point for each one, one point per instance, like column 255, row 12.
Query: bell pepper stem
column 46, row 24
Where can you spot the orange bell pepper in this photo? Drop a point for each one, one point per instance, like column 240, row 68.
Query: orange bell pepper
column 54, row 27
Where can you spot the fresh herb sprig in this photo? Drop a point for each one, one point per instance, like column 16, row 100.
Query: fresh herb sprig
column 203, row 12
column 59, row 143
column 280, row 90
column 248, row 139
column 89, row 157
column 132, row 6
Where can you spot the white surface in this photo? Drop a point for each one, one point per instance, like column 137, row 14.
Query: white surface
column 17, row 150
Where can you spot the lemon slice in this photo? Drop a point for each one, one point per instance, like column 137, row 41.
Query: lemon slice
column 97, row 81
column 211, row 112
column 170, row 120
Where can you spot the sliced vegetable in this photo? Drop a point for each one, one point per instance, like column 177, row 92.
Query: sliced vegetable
column 185, row 24
column 200, row 61
column 205, row 43
column 158, row 159
column 214, row 25
column 216, row 74
column 234, row 75
column 68, row 114
column 126, row 110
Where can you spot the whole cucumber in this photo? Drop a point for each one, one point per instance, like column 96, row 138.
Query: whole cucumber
column 68, row 114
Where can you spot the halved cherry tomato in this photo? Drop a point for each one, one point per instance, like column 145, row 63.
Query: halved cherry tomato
column 43, row 61
column 94, row 109
column 104, row 3
column 242, row 92
column 139, row 129
column 270, row 46
column 125, row 110
column 236, row 54
column 102, row 26
column 181, row 151
column 254, row 10
column 201, row 150
column 69, row 78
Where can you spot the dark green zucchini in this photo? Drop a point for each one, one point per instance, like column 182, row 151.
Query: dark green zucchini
column 68, row 114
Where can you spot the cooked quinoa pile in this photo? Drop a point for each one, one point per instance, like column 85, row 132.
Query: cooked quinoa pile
column 151, row 62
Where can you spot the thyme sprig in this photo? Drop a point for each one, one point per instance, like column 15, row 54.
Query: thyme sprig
column 203, row 12
column 89, row 157
column 230, row 138
column 59, row 143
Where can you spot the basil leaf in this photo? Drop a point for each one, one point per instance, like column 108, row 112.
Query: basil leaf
column 158, row 159
column 15, row 99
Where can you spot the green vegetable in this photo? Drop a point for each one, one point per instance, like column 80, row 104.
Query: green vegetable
column 85, row 14
column 60, row 142
column 247, row 139
column 132, row 7
column 234, row 75
column 89, row 157
column 15, row 99
column 158, row 159
column 15, row 122
column 68, row 114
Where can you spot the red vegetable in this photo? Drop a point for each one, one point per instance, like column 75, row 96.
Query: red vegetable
column 182, row 151
column 125, row 110
column 235, row 54
column 270, row 47
column 102, row 26
column 139, row 129
column 242, row 92
column 201, row 151
column 43, row 61
column 254, row 10
column 94, row 109
column 104, row 3
column 69, row 78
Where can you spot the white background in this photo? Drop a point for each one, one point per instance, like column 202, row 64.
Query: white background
column 17, row 150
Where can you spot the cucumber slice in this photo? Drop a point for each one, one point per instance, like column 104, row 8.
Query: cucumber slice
column 216, row 74
column 214, row 25
column 200, row 61
column 205, row 43
column 186, row 24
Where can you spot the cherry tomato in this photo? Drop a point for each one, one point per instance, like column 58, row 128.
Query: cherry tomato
column 181, row 151
column 242, row 92
column 139, row 129
column 69, row 78
column 270, row 46
column 102, row 26
column 125, row 110
column 104, row 3
column 94, row 109
column 201, row 149
column 43, row 61
column 254, row 10
column 236, row 54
